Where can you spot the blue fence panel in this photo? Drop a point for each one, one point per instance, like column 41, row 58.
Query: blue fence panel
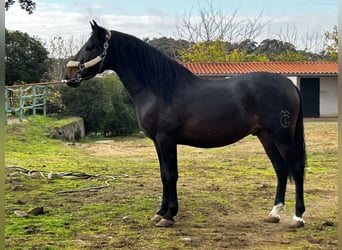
column 18, row 100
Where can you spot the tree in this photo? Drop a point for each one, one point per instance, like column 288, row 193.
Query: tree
column 274, row 47
column 248, row 46
column 330, row 50
column 168, row 46
column 240, row 56
column 216, row 52
column 212, row 24
column 246, row 51
column 204, row 52
column 308, row 41
column 291, row 56
column 104, row 105
column 60, row 51
column 26, row 58
column 27, row 5
column 214, row 36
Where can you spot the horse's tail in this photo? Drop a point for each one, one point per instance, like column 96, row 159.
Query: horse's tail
column 299, row 148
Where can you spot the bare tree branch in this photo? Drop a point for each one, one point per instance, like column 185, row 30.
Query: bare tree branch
column 308, row 41
column 60, row 51
column 211, row 24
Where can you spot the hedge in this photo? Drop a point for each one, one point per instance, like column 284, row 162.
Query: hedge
column 104, row 104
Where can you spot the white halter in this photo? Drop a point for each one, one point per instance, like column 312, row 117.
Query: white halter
column 94, row 61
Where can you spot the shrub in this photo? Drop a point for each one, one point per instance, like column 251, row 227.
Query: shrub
column 104, row 105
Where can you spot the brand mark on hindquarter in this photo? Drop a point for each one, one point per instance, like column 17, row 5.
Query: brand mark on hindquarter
column 285, row 118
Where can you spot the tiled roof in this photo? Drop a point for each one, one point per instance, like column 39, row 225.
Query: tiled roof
column 286, row 68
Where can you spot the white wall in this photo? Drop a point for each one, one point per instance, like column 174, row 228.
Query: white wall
column 294, row 79
column 328, row 105
column 328, row 102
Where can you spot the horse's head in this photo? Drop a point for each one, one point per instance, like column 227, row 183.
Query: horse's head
column 90, row 59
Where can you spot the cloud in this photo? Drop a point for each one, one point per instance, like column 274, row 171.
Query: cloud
column 52, row 19
column 49, row 22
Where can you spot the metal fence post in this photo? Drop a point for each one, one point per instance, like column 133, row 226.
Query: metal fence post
column 34, row 101
column 21, row 104
column 44, row 100
column 17, row 95
column 6, row 105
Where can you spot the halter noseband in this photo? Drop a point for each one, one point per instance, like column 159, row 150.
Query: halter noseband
column 99, row 59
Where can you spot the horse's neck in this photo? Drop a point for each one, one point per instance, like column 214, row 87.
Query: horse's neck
column 129, row 77
column 130, row 81
column 143, row 69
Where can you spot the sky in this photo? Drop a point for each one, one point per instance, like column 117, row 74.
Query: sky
column 157, row 18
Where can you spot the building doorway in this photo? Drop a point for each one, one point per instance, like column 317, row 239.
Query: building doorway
column 309, row 87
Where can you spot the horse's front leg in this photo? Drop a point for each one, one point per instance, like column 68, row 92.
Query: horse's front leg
column 167, row 155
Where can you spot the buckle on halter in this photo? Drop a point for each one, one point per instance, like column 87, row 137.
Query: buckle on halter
column 78, row 77
column 81, row 66
column 74, row 82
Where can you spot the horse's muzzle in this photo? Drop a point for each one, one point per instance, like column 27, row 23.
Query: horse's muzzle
column 73, row 82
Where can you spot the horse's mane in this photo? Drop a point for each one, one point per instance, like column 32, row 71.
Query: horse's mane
column 156, row 71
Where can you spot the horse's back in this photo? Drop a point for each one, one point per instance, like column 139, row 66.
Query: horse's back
column 267, row 90
column 256, row 91
column 264, row 81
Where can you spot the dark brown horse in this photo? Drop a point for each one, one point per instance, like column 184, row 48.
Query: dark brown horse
column 174, row 106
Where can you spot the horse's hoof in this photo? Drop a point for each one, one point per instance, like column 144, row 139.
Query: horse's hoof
column 157, row 218
column 297, row 224
column 272, row 219
column 165, row 223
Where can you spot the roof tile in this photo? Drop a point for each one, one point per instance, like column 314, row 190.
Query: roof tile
column 287, row 68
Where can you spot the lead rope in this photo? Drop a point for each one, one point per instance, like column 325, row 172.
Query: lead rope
column 65, row 175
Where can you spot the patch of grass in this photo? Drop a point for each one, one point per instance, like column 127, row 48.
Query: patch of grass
column 224, row 193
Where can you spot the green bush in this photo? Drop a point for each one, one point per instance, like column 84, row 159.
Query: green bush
column 104, row 105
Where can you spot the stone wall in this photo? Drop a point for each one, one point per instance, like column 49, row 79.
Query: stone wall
column 73, row 131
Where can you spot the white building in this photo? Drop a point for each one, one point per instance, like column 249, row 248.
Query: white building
column 317, row 81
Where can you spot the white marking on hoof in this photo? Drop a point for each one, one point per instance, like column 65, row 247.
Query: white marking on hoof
column 157, row 218
column 276, row 210
column 297, row 222
column 165, row 223
column 298, row 219
column 274, row 216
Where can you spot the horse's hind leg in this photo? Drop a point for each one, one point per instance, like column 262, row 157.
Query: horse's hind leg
column 293, row 160
column 282, row 172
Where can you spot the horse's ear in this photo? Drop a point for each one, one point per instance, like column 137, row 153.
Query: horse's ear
column 94, row 25
column 98, row 31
